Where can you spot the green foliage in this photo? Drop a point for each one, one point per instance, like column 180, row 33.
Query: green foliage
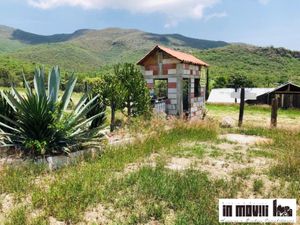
column 258, row 185
column 263, row 66
column 112, row 93
column 137, row 97
column 238, row 81
column 91, row 56
column 42, row 124
column 161, row 88
column 220, row 82
column 125, row 88
column 17, row 217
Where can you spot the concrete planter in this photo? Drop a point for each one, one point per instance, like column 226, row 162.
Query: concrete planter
column 52, row 162
column 56, row 162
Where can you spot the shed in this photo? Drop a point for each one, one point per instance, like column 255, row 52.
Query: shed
column 185, row 76
column 288, row 95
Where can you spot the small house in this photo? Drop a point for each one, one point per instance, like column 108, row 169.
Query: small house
column 185, row 78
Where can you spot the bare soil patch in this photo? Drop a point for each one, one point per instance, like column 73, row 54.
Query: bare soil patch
column 245, row 139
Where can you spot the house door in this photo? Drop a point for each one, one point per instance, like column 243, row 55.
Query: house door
column 185, row 94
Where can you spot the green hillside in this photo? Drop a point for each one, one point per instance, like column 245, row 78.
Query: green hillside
column 87, row 52
column 264, row 66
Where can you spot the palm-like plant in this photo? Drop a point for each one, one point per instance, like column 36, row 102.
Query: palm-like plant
column 42, row 124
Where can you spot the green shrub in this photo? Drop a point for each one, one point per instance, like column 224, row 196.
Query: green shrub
column 42, row 123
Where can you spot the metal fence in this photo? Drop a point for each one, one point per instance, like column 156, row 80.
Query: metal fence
column 159, row 106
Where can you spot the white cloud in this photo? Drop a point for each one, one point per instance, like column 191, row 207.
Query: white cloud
column 174, row 10
column 264, row 2
column 215, row 15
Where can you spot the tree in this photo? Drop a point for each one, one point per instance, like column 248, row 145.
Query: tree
column 112, row 92
column 137, row 98
column 239, row 80
column 122, row 89
column 220, row 82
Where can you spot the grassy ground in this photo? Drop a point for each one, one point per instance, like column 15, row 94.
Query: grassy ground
column 173, row 173
column 259, row 116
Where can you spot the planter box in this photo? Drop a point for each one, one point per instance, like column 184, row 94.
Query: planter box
column 52, row 162
column 56, row 162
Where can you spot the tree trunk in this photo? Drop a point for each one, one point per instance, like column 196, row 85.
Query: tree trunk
column 113, row 117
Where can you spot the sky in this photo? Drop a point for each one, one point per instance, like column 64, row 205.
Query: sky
column 259, row 22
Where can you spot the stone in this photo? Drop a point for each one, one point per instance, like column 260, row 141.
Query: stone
column 227, row 122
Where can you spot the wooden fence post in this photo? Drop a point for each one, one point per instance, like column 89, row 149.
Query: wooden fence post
column 207, row 84
column 242, row 105
column 274, row 112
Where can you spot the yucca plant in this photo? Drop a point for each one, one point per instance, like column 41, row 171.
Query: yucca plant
column 42, row 123
column 6, row 110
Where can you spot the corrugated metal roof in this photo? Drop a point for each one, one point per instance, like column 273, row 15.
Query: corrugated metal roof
column 183, row 57
column 224, row 95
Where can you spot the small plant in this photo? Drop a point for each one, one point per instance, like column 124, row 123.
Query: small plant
column 17, row 217
column 258, row 185
column 42, row 123
column 155, row 211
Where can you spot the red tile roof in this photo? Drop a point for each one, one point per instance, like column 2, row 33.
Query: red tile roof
column 183, row 57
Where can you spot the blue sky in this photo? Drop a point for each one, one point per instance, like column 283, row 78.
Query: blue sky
column 259, row 22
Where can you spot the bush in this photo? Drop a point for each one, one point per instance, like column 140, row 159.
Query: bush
column 42, row 124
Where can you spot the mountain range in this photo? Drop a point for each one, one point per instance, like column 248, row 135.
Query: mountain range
column 88, row 50
column 91, row 48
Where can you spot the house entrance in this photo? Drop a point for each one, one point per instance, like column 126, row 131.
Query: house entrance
column 185, row 94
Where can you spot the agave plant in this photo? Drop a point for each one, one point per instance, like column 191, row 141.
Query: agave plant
column 96, row 107
column 42, row 123
column 6, row 110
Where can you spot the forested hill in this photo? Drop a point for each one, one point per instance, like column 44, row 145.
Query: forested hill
column 88, row 52
column 264, row 66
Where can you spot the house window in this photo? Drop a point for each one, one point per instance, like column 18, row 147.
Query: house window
column 197, row 88
column 161, row 88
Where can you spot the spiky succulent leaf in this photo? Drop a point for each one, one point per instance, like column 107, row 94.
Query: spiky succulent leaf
column 27, row 87
column 53, row 84
column 67, row 95
column 39, row 82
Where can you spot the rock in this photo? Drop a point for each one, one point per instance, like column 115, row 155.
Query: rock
column 227, row 122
